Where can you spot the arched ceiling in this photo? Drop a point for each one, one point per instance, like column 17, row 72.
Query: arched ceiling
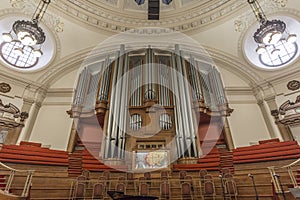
column 121, row 15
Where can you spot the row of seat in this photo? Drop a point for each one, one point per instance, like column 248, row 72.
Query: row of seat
column 190, row 188
column 266, row 151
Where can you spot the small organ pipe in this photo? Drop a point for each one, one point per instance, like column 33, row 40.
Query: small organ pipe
column 222, row 98
column 82, row 86
column 107, row 79
column 194, row 79
column 160, row 86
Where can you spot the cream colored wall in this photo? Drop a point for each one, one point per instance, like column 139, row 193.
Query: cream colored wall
column 53, row 125
column 67, row 81
column 246, row 123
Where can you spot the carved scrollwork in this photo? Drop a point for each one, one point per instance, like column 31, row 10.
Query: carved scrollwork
column 5, row 87
column 293, row 85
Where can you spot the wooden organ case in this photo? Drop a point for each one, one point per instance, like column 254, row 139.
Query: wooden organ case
column 149, row 100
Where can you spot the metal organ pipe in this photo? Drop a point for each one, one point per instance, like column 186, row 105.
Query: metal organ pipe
column 102, row 83
column 219, row 85
column 146, row 76
column 153, row 76
column 183, row 107
column 177, row 110
column 167, row 83
column 123, row 109
column 140, row 84
column 92, row 91
column 105, row 81
column 160, row 86
column 207, row 91
column 81, row 87
column 184, row 115
column 163, row 80
column 194, row 79
column 117, row 101
column 164, row 87
column 150, row 90
column 109, row 138
column 190, row 119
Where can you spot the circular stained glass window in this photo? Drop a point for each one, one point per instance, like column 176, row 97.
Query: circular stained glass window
column 273, row 56
column 18, row 55
column 279, row 54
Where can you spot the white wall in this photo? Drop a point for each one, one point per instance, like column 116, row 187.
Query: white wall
column 246, row 123
column 52, row 127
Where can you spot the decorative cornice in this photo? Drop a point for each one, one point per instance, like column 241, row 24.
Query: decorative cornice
column 182, row 19
column 60, row 92
column 239, row 91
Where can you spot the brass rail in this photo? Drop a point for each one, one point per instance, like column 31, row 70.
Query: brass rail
column 12, row 173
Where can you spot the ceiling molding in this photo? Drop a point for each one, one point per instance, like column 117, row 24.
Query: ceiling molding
column 116, row 20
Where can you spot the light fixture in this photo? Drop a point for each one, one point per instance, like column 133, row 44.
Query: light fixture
column 28, row 32
column 270, row 32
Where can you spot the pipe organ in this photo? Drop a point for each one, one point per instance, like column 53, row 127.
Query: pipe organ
column 150, row 96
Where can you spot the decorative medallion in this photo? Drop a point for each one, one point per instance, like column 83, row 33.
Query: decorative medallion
column 293, row 85
column 4, row 87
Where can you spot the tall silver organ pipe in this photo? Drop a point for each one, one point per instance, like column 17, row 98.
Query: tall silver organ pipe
column 190, row 118
column 115, row 135
column 184, row 117
column 177, row 109
column 163, row 81
column 123, row 110
column 109, row 139
column 150, row 76
column 105, row 80
column 136, row 83
column 195, row 79
column 81, row 87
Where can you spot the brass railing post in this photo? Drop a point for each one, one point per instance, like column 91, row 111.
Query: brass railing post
column 27, row 184
column 9, row 181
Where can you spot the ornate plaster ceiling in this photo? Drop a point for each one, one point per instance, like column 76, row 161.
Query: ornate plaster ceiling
column 121, row 15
